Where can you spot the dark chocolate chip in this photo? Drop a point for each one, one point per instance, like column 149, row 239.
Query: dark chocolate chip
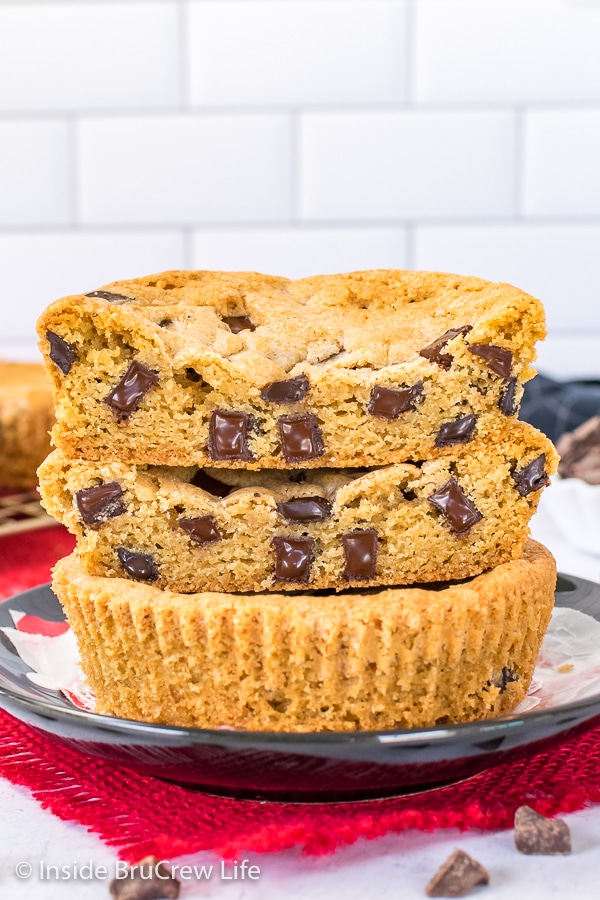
column 138, row 566
column 290, row 391
column 457, row 876
column 294, row 557
column 433, row 351
column 460, row 431
column 202, row 530
column 239, row 323
column 498, row 359
column 386, row 403
column 532, row 477
column 305, row 509
column 507, row 676
column 192, row 375
column 360, row 552
column 535, row 834
column 508, row 399
column 101, row 502
column 125, row 398
column 148, row 879
column 112, row 298
column 301, row 437
column 460, row 512
column 409, row 495
column 165, row 323
column 62, row 353
column 211, row 485
column 228, row 435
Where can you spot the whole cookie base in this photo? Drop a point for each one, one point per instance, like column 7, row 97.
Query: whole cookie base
column 378, row 659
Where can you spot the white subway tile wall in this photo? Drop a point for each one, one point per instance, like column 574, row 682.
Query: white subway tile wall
column 302, row 136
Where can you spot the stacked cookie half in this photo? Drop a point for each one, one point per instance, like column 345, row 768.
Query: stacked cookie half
column 299, row 505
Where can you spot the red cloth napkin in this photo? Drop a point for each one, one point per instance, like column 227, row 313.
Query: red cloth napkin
column 138, row 815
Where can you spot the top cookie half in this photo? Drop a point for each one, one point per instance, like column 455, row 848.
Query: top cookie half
column 247, row 370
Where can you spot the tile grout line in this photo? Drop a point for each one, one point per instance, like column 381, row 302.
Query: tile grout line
column 409, row 63
column 295, row 183
column 519, row 162
column 183, row 55
column 74, row 170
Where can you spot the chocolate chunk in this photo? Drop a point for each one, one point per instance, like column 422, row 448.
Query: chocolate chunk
column 386, row 403
column 305, row 509
column 62, row 353
column 149, row 879
column 360, row 552
column 535, row 834
column 138, row 566
column 532, row 477
column 228, row 435
column 457, row 876
column 433, row 351
column 294, row 557
column 202, row 530
column 507, row 676
column 290, row 391
column 460, row 512
column 301, row 438
column 112, row 298
column 125, row 398
column 508, row 399
column 498, row 359
column 211, row 485
column 239, row 323
column 408, row 495
column 458, row 432
column 101, row 502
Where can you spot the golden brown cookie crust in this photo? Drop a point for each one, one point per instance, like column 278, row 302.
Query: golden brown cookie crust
column 26, row 417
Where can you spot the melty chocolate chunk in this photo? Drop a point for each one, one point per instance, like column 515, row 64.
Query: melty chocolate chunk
column 100, row 502
column 460, row 431
column 388, row 403
column 62, row 353
column 211, row 485
column 228, row 435
column 508, row 398
column 305, row 509
column 301, row 437
column 139, row 566
column 531, row 477
column 239, row 323
column 360, row 553
column 125, row 398
column 294, row 557
column 433, row 351
column 498, row 359
column 202, row 530
column 112, row 298
column 456, row 507
column 290, row 391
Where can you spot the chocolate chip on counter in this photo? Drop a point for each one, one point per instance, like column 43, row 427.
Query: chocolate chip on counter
column 112, row 298
column 457, row 876
column 305, row 509
column 360, row 552
column 535, row 834
column 508, row 398
column 301, row 437
column 531, row 477
column 386, row 403
column 290, row 391
column 149, row 879
column 138, row 566
column 498, row 359
column 125, row 398
column 239, row 323
column 460, row 431
column 228, row 435
column 202, row 530
column 460, row 512
column 62, row 353
column 433, row 351
column 294, row 557
column 101, row 502
column 211, row 485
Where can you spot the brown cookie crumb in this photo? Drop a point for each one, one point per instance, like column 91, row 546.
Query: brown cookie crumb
column 457, row 876
column 147, row 880
column 535, row 834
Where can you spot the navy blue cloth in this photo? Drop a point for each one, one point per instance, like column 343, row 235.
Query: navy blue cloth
column 558, row 406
